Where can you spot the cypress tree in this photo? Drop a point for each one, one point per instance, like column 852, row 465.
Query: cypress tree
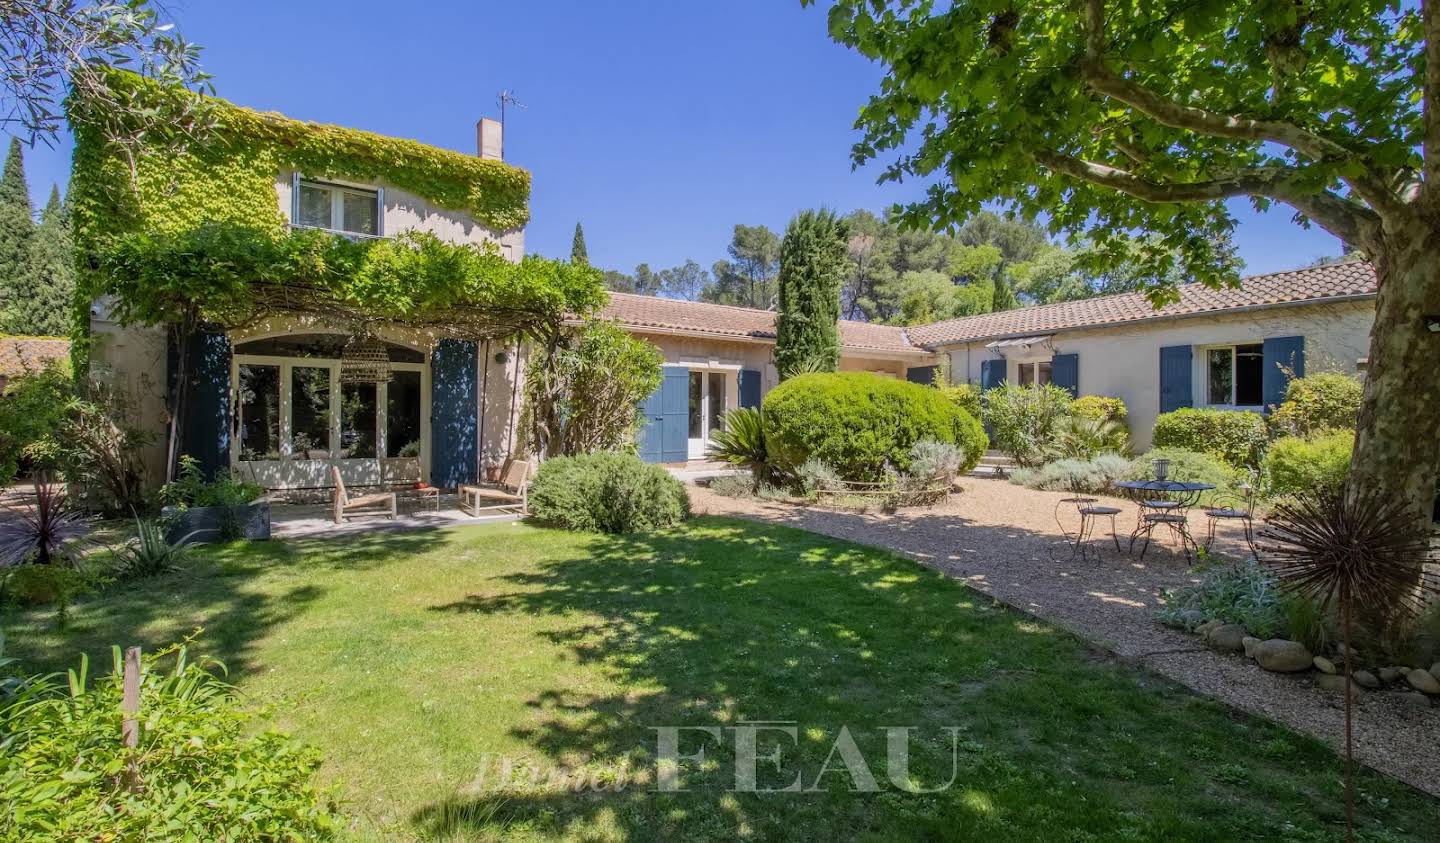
column 813, row 259
column 17, row 230
column 578, row 254
column 48, row 291
column 1004, row 298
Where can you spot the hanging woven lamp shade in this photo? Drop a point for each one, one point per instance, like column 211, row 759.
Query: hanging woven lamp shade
column 365, row 360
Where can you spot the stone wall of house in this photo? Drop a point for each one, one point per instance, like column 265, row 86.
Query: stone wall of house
column 1124, row 361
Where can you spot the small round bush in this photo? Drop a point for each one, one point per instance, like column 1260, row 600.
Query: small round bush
column 1185, row 466
column 1294, row 465
column 1072, row 475
column 859, row 423
column 1236, row 436
column 607, row 492
column 1318, row 403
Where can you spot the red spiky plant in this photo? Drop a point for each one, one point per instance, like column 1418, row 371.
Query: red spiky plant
column 1365, row 554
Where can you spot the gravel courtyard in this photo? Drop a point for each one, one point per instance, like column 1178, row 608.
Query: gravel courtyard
column 997, row 537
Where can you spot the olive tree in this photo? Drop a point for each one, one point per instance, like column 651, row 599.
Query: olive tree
column 1118, row 116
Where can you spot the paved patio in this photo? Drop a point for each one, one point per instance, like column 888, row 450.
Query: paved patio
column 997, row 537
column 306, row 520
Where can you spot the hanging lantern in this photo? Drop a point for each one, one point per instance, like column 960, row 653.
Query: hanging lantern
column 365, row 360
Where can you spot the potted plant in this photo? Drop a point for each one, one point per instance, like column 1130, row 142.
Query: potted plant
column 199, row 510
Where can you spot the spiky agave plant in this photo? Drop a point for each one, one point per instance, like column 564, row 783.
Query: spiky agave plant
column 741, row 442
column 1363, row 552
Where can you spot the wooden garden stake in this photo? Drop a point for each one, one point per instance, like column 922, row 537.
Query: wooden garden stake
column 130, row 705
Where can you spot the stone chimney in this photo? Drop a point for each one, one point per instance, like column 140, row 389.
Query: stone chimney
column 489, row 139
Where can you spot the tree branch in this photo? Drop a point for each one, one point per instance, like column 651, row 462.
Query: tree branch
column 1430, row 21
column 1103, row 80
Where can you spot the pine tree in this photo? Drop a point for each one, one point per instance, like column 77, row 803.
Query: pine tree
column 48, row 289
column 17, row 230
column 577, row 247
column 813, row 260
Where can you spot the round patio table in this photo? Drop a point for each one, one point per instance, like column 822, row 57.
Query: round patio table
column 1163, row 503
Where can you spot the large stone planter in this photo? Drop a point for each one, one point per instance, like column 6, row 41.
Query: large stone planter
column 206, row 524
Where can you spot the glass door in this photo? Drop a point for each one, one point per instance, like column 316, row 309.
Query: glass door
column 709, row 398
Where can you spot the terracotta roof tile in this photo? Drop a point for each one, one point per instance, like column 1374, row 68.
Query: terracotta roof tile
column 1340, row 280
column 23, row 355
column 719, row 320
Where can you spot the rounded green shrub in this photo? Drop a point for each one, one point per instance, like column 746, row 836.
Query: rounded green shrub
column 1236, row 436
column 966, row 396
column 1185, row 466
column 607, row 492
column 1294, row 465
column 858, row 423
column 1024, row 420
column 1101, row 408
column 1318, row 403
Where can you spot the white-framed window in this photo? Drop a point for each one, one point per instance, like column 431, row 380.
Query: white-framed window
column 1234, row 375
column 1033, row 374
column 337, row 207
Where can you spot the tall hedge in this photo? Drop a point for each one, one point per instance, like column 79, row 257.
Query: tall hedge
column 1236, row 436
column 813, row 260
column 858, row 422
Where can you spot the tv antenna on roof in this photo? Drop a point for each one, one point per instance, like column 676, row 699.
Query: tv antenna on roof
column 504, row 98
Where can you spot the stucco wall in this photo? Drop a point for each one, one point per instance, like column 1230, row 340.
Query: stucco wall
column 134, row 360
column 408, row 212
column 1124, row 361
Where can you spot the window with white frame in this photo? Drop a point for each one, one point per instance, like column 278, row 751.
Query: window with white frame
column 337, row 208
column 1234, row 375
column 1034, row 374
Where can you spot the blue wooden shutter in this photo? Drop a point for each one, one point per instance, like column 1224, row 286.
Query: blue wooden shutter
column 652, row 423
column 1281, row 354
column 921, row 374
column 749, row 388
column 992, row 374
column 453, row 412
column 1065, row 373
column 1175, row 390
column 675, row 415
column 206, row 436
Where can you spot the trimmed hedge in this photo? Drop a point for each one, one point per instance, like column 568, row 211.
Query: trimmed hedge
column 607, row 492
column 1318, row 403
column 858, row 422
column 1236, row 436
column 1294, row 465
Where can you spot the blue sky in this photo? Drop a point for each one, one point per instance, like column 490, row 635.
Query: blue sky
column 659, row 125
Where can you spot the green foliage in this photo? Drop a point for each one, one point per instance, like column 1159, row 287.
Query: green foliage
column 1091, row 476
column 1185, row 466
column 932, row 460
column 607, row 493
column 586, row 397
column 1328, row 401
column 148, row 552
column 578, row 252
column 32, row 406
column 207, row 772
column 1076, row 437
column 17, row 231
column 812, row 266
column 861, row 423
column 191, row 489
column 966, row 396
column 732, row 486
column 741, row 441
column 815, row 476
column 1236, row 436
column 747, row 279
column 42, row 306
column 1246, row 594
column 1100, row 408
column 1014, row 107
column 1023, row 419
column 97, row 446
column 1294, row 465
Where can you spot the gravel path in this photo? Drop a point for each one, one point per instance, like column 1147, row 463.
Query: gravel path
column 996, row 537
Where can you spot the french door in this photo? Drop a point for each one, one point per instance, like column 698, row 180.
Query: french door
column 711, row 393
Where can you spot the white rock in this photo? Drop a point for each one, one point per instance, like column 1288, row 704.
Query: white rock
column 1365, row 679
column 1324, row 665
column 1229, row 637
column 1283, row 656
column 1421, row 680
column 1249, row 643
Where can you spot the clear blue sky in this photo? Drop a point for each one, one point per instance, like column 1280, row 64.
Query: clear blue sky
column 659, row 125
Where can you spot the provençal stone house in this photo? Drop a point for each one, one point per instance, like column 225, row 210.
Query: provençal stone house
column 271, row 401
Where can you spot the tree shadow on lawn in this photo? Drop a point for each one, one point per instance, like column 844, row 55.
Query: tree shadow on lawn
column 236, row 592
column 728, row 621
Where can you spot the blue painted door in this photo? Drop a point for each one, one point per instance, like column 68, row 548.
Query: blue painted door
column 675, row 415
column 1065, row 373
column 749, row 388
column 653, row 422
column 992, row 374
column 454, row 417
column 921, row 374
column 1283, row 357
column 1175, row 389
column 207, row 428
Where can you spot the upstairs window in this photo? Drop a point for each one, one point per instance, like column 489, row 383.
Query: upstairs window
column 337, row 208
column 1234, row 375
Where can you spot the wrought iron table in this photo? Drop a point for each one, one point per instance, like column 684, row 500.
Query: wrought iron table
column 1163, row 503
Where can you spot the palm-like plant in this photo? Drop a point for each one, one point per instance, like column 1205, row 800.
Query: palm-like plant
column 150, row 552
column 741, row 442
column 42, row 531
column 1081, row 438
column 1362, row 551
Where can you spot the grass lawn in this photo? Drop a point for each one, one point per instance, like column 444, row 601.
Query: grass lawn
column 414, row 660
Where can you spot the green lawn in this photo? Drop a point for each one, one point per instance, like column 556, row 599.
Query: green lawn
column 414, row 659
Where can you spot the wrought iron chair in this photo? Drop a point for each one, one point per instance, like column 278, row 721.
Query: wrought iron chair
column 1232, row 507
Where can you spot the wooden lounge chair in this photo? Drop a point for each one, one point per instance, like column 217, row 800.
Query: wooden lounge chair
column 509, row 495
column 379, row 503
